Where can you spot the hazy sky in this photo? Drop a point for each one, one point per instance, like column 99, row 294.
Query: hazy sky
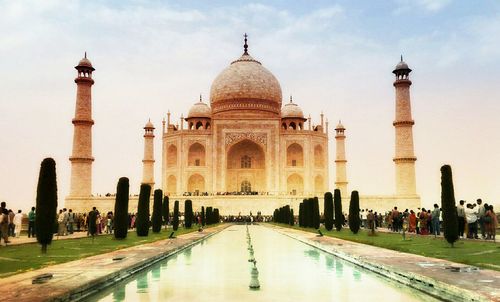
column 333, row 56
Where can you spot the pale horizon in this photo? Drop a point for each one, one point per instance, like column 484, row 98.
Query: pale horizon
column 151, row 57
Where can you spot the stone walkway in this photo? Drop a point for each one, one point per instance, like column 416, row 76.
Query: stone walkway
column 24, row 239
column 440, row 278
column 72, row 280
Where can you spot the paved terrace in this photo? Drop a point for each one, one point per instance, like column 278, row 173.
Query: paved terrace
column 441, row 278
column 72, row 280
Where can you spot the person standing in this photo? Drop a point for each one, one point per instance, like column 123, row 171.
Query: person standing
column 60, row 223
column 461, row 218
column 471, row 216
column 18, row 223
column 71, row 221
column 11, row 223
column 435, row 220
column 31, row 222
column 481, row 212
column 490, row 223
column 4, row 223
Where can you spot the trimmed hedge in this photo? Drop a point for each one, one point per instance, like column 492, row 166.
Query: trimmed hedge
column 328, row 212
column 450, row 219
column 354, row 220
column 121, row 208
column 339, row 217
column 46, row 203
column 175, row 220
column 188, row 213
column 142, row 220
column 156, row 218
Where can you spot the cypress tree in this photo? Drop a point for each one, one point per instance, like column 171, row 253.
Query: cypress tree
column 216, row 215
column 354, row 220
column 188, row 213
column 203, row 221
column 450, row 219
column 175, row 220
column 142, row 220
column 337, row 202
column 328, row 211
column 166, row 211
column 46, row 203
column 121, row 209
column 292, row 219
column 209, row 217
column 308, row 213
column 301, row 214
column 315, row 217
column 157, row 209
column 92, row 222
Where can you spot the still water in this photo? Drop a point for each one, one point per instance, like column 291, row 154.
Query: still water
column 217, row 270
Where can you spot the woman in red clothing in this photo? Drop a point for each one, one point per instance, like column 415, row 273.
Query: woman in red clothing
column 412, row 222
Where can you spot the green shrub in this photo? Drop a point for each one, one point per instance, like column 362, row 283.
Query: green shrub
column 328, row 212
column 450, row 219
column 188, row 213
column 337, row 202
column 156, row 218
column 354, row 220
column 142, row 220
column 175, row 220
column 121, row 209
column 46, row 203
column 203, row 220
column 315, row 210
column 166, row 211
column 292, row 218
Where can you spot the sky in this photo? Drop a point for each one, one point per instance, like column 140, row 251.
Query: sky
column 332, row 56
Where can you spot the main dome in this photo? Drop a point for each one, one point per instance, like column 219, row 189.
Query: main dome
column 246, row 86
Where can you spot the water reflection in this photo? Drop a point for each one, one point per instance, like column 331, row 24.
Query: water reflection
column 356, row 274
column 339, row 268
column 312, row 253
column 142, row 283
column 330, row 262
column 218, row 270
column 119, row 293
column 156, row 273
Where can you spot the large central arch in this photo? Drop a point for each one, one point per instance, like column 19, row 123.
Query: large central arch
column 245, row 162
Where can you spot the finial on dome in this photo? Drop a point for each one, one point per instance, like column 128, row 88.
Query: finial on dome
column 401, row 58
column 245, row 47
column 200, row 98
column 291, row 100
column 85, row 56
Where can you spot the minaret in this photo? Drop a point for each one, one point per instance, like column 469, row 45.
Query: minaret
column 404, row 158
column 340, row 161
column 149, row 160
column 81, row 158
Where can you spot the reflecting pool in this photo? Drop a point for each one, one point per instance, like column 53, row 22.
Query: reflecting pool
column 217, row 269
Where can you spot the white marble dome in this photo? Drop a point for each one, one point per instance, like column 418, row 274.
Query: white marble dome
column 291, row 110
column 246, row 84
column 199, row 109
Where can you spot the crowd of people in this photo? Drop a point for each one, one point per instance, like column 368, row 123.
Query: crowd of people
column 473, row 219
column 11, row 223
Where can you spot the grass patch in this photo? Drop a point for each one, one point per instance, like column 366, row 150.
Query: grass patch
column 17, row 259
column 477, row 253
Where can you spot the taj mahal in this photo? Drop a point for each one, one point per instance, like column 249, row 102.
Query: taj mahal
column 246, row 149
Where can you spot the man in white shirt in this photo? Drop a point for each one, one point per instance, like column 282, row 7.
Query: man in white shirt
column 471, row 217
column 18, row 221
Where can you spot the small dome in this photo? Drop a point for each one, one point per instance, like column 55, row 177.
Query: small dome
column 85, row 62
column 291, row 110
column 200, row 109
column 149, row 125
column 340, row 126
column 401, row 67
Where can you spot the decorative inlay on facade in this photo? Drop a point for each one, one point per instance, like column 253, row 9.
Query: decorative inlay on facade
column 260, row 138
